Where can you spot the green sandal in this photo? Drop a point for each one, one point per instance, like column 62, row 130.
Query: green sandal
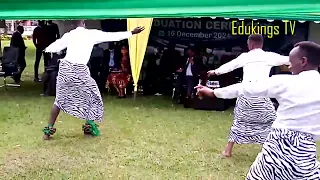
column 49, row 131
column 90, row 127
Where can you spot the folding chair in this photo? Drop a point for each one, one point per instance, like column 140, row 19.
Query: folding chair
column 49, row 77
column 9, row 65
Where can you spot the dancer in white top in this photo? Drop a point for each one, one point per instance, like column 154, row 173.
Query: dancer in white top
column 253, row 116
column 289, row 152
column 77, row 93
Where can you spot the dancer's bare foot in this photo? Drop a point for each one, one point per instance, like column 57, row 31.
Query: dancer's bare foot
column 88, row 136
column 46, row 137
column 228, row 150
column 226, row 154
column 48, row 132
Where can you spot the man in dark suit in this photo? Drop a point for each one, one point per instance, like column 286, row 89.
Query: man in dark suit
column 18, row 42
column 168, row 64
column 53, row 31
column 151, row 81
column 189, row 73
column 41, row 41
column 111, row 56
column 95, row 66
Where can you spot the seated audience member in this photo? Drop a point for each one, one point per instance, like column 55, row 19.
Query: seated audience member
column 112, row 56
column 120, row 78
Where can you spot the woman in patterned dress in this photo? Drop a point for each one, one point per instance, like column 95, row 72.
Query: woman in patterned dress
column 120, row 79
column 77, row 93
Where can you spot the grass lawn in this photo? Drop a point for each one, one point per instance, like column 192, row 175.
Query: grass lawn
column 147, row 139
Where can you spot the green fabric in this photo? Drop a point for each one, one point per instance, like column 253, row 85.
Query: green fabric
column 102, row 9
column 46, row 131
column 93, row 128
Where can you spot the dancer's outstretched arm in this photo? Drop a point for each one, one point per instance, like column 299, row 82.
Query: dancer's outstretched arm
column 230, row 66
column 58, row 45
column 268, row 88
column 101, row 36
column 278, row 60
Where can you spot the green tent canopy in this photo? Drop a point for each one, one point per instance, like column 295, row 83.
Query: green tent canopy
column 103, row 9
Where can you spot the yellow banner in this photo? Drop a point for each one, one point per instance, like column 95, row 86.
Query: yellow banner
column 137, row 46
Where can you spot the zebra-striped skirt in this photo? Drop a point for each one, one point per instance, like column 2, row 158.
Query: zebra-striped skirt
column 252, row 121
column 77, row 93
column 286, row 155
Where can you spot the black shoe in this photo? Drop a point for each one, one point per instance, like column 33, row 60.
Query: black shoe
column 186, row 106
column 37, row 80
column 187, row 103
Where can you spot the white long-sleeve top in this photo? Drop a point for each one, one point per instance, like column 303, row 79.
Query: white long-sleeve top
column 256, row 64
column 298, row 97
column 80, row 41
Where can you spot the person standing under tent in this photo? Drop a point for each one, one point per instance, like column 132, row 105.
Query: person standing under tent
column 289, row 152
column 53, row 31
column 189, row 73
column 77, row 93
column 18, row 42
column 41, row 41
column 168, row 64
column 252, row 116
